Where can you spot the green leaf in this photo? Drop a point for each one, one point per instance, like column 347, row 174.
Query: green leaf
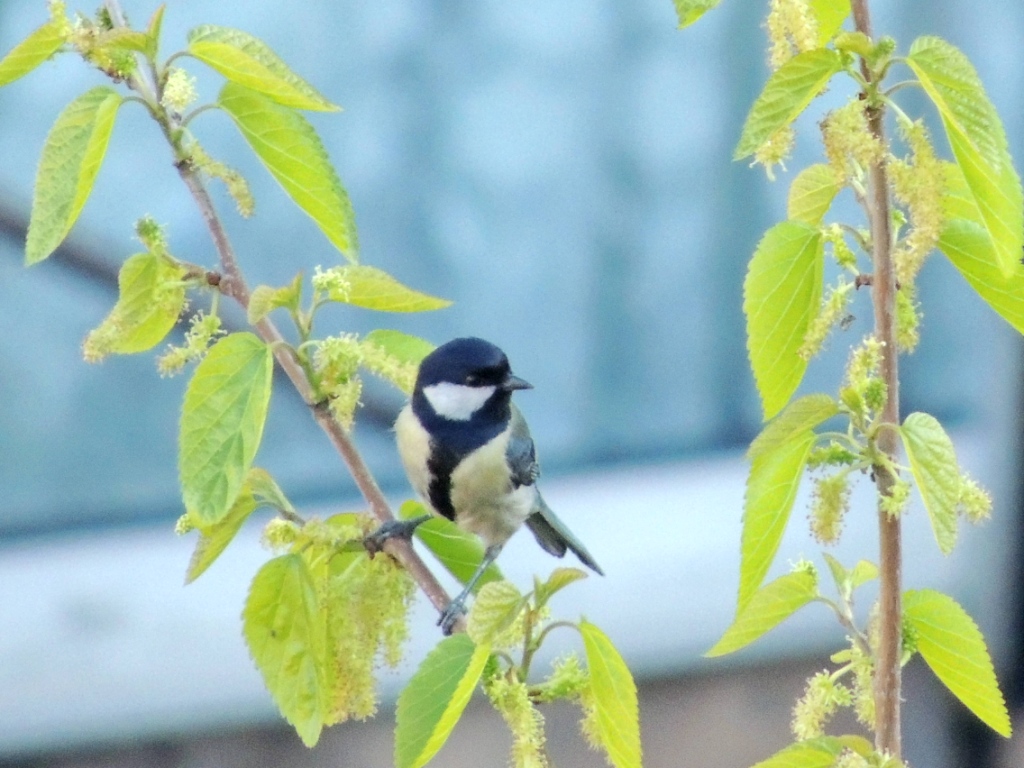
column 286, row 634
column 264, row 299
column 291, row 150
column 496, row 607
column 31, row 52
column 457, row 550
column 978, row 141
column 152, row 297
column 802, row 414
column 213, row 539
column 401, row 346
column 969, row 247
column 614, row 692
column 771, row 490
column 559, row 579
column 153, row 29
column 863, row 572
column 954, row 648
column 222, row 423
column 811, row 194
column 786, row 94
column 689, row 11
column 781, row 296
column 435, row 698
column 766, row 609
column 814, row 753
column 71, row 158
column 266, row 490
column 933, row 462
column 373, row 288
column 248, row 61
column 830, row 15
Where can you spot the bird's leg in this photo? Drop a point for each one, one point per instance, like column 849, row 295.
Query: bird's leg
column 392, row 529
column 457, row 607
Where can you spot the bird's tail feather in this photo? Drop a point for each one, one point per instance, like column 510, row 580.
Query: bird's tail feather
column 555, row 538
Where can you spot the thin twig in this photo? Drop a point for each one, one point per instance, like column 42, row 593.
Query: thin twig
column 887, row 662
column 233, row 284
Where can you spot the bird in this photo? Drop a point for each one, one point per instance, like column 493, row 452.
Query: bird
column 467, row 451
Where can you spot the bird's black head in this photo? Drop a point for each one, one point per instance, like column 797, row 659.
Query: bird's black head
column 466, row 379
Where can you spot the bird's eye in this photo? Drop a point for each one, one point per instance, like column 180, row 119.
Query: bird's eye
column 472, row 380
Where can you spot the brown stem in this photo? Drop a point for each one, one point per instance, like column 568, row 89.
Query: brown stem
column 887, row 662
column 232, row 283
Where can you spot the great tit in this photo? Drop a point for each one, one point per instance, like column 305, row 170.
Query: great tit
column 469, row 455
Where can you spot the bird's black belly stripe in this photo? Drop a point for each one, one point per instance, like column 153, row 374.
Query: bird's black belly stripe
column 441, row 464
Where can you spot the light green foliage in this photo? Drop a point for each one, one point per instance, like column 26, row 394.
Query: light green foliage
column 291, row 150
column 266, row 490
column 933, row 462
column 71, row 159
column 435, row 697
column 497, row 606
column 458, row 551
column 802, row 414
column 788, row 92
column 263, row 300
column 151, row 296
column 32, row 51
column 288, row 641
column 222, row 424
column 969, row 247
column 811, row 194
column 613, row 697
column 766, row 609
column 559, row 579
column 830, row 15
column 689, row 11
column 816, row 753
column 248, row 61
column 978, row 141
column 395, row 356
column 214, row 538
column 771, row 490
column 781, row 295
column 372, row 288
column 954, row 648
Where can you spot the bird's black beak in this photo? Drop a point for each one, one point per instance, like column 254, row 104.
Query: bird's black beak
column 512, row 383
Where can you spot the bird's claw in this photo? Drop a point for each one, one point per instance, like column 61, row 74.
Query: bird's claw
column 392, row 529
column 449, row 616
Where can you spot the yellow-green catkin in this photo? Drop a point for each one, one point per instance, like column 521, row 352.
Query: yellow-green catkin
column 235, row 183
column 378, row 361
column 829, row 505
column 822, row 698
column 908, row 318
column 336, row 362
column 179, row 90
column 792, row 29
column 368, row 606
column 833, row 311
column 203, row 330
column 918, row 183
column 511, row 698
column 850, row 146
column 974, row 503
column 775, row 151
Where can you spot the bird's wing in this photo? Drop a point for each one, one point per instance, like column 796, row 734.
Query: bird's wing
column 520, row 453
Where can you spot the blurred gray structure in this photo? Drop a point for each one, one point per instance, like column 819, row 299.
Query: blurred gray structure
column 561, row 169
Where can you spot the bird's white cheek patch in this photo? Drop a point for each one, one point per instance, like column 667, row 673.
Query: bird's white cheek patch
column 456, row 401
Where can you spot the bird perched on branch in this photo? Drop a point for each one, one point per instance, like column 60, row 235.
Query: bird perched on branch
column 469, row 455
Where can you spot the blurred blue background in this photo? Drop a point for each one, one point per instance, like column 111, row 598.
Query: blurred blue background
column 562, row 171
